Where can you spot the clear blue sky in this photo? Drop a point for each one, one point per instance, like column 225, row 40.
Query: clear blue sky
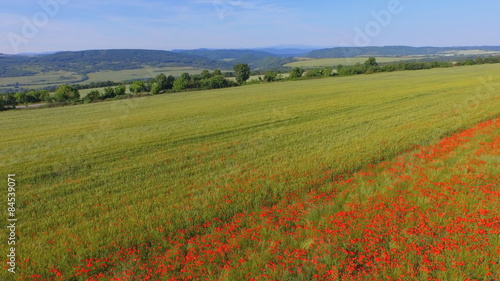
column 29, row 26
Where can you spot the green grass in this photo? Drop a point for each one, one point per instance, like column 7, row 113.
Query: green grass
column 93, row 179
column 310, row 63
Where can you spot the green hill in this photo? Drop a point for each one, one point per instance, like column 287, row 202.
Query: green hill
column 226, row 54
column 257, row 60
column 84, row 62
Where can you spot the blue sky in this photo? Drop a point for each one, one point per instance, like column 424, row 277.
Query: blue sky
column 55, row 25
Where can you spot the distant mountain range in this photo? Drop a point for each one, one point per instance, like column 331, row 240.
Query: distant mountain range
column 84, row 62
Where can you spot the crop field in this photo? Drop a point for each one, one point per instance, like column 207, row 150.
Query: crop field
column 136, row 74
column 311, row 63
column 472, row 52
column 63, row 77
column 369, row 177
column 41, row 80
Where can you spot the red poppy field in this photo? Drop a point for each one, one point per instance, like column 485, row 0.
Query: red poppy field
column 356, row 178
column 429, row 214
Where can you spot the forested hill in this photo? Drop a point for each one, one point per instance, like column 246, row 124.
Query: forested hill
column 344, row 52
column 84, row 62
column 226, row 54
column 257, row 59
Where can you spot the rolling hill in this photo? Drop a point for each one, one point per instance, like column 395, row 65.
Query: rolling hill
column 28, row 71
column 256, row 59
column 84, row 62
column 229, row 54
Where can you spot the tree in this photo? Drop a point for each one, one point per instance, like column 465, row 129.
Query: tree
column 180, row 84
column 21, row 98
column 164, row 82
column 10, row 101
column 93, row 96
column 371, row 66
column 65, row 93
column 160, row 83
column 270, row 76
column 327, row 71
column 2, row 102
column 48, row 97
column 186, row 76
column 109, row 93
column 45, row 96
column 242, row 72
column 170, row 82
column 33, row 96
column 371, row 62
column 137, row 87
column 205, row 74
column 340, row 69
column 60, row 96
column 73, row 93
column 314, row 72
column 217, row 72
column 296, row 73
column 216, row 82
column 156, row 88
column 120, row 90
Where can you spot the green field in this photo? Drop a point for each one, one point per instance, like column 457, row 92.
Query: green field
column 310, row 63
column 472, row 53
column 41, row 80
column 96, row 179
column 62, row 77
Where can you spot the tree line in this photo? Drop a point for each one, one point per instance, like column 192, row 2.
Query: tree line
column 70, row 94
column 371, row 65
